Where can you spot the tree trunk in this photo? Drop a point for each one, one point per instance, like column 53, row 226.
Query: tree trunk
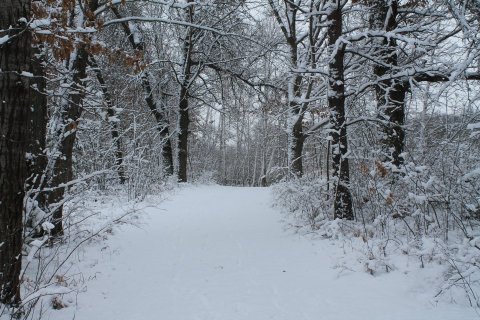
column 70, row 118
column 296, row 108
column 336, row 104
column 114, row 131
column 36, row 152
column 16, row 99
column 183, row 107
column 38, row 121
column 390, row 93
column 162, row 126
column 183, row 124
column 296, row 145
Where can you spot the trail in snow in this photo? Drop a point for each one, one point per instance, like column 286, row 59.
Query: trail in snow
column 221, row 253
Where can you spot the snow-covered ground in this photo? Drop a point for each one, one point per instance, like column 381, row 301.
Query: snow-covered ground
column 222, row 253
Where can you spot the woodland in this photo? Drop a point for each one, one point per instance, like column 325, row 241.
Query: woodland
column 363, row 116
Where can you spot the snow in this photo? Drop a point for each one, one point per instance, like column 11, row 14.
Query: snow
column 47, row 226
column 35, row 245
column 26, row 74
column 4, row 39
column 39, row 23
column 471, row 174
column 212, row 252
column 50, row 291
column 473, row 126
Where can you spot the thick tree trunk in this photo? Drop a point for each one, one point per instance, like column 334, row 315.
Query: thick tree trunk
column 390, row 93
column 336, row 102
column 16, row 99
column 113, row 124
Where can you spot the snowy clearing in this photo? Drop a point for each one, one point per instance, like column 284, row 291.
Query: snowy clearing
column 212, row 252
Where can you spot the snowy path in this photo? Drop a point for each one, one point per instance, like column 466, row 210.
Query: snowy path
column 220, row 253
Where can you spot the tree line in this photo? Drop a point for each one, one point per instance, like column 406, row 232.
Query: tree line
column 126, row 93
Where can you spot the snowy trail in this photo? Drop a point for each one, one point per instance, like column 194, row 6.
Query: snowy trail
column 220, row 253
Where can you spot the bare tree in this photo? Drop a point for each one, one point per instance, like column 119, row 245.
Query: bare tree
column 336, row 103
column 185, row 79
column 136, row 41
column 70, row 114
column 299, row 84
column 112, row 120
column 390, row 93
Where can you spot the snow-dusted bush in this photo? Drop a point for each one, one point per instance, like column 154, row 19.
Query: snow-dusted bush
column 306, row 199
column 424, row 214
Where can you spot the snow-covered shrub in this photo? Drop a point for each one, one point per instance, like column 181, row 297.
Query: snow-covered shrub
column 305, row 199
column 409, row 201
column 50, row 279
column 425, row 214
column 205, row 178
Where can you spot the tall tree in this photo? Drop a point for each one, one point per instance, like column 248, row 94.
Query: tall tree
column 111, row 119
column 390, row 93
column 185, row 81
column 71, row 110
column 136, row 41
column 336, row 103
column 17, row 98
column 299, row 84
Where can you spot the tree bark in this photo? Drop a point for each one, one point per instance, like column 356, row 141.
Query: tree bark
column 336, row 103
column 183, row 107
column 390, row 94
column 295, row 106
column 38, row 121
column 183, row 124
column 36, row 150
column 16, row 99
column 297, row 136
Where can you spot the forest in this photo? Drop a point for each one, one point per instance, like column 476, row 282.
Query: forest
column 362, row 117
